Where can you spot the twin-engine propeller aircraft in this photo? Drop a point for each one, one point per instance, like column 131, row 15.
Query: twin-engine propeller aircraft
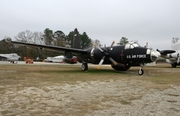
column 174, row 57
column 121, row 58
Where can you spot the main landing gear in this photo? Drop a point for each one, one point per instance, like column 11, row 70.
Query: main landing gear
column 84, row 67
column 174, row 65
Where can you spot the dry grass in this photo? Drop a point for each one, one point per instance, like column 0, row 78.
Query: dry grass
column 161, row 75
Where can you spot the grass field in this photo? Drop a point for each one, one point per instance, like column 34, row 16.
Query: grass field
column 31, row 74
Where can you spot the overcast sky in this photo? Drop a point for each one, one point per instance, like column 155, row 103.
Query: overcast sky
column 153, row 21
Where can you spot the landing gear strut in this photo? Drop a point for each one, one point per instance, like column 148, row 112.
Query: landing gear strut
column 84, row 67
column 140, row 71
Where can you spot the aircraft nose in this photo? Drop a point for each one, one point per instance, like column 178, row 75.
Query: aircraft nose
column 155, row 55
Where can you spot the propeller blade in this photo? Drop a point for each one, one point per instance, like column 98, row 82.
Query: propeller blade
column 146, row 45
column 112, row 44
column 113, row 61
column 106, row 53
column 98, row 47
column 101, row 62
column 178, row 59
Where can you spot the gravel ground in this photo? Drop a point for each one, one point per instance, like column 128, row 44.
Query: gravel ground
column 92, row 98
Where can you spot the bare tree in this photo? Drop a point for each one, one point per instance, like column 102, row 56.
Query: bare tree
column 25, row 36
column 175, row 40
column 38, row 38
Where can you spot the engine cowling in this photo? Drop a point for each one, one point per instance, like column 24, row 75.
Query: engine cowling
column 120, row 67
column 173, row 55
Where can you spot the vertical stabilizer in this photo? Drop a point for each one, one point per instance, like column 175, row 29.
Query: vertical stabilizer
column 76, row 39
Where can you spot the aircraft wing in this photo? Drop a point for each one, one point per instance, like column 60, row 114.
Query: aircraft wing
column 2, row 56
column 165, row 52
column 73, row 50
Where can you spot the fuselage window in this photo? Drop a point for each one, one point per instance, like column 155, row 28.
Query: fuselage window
column 131, row 45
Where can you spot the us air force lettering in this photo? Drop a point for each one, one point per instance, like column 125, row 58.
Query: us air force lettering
column 137, row 56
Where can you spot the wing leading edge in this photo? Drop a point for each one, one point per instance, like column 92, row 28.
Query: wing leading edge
column 73, row 50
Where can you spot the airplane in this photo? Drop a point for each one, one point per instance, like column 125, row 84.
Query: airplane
column 120, row 57
column 13, row 57
column 174, row 58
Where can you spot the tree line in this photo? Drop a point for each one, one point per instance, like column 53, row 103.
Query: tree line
column 47, row 37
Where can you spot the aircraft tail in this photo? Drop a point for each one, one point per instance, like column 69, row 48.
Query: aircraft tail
column 76, row 39
column 76, row 44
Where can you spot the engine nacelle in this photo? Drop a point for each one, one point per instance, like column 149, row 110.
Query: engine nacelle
column 120, row 67
column 173, row 55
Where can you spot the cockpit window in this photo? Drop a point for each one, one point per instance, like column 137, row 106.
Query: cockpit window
column 131, row 45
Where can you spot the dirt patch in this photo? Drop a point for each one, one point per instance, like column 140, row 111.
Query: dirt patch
column 30, row 90
column 110, row 97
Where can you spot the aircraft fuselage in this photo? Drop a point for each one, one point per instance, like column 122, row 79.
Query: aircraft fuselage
column 119, row 54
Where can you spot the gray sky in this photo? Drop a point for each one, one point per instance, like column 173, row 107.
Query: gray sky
column 153, row 21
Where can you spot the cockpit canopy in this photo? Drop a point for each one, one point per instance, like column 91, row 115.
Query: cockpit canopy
column 131, row 45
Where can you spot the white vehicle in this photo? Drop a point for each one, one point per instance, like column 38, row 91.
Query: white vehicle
column 55, row 59
column 13, row 57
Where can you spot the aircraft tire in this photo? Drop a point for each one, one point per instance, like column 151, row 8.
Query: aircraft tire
column 84, row 67
column 174, row 65
column 140, row 71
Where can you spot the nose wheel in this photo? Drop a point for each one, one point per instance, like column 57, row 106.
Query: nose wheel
column 140, row 71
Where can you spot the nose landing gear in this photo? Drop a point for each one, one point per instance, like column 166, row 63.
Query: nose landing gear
column 140, row 71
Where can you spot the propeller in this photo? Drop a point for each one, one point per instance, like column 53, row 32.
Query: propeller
column 106, row 53
column 146, row 45
column 178, row 58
